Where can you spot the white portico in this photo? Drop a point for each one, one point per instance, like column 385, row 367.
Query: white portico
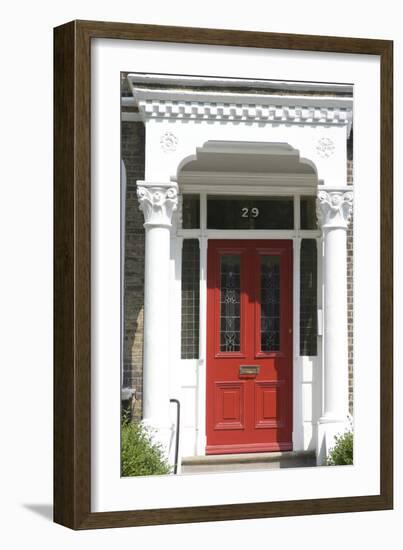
column 214, row 139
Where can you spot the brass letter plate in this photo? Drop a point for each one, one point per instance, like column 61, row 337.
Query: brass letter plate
column 249, row 369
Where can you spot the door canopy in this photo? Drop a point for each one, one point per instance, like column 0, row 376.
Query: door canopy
column 231, row 163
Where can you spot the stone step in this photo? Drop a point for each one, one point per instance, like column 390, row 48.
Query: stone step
column 247, row 462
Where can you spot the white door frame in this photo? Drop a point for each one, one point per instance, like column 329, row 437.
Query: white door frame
column 307, row 393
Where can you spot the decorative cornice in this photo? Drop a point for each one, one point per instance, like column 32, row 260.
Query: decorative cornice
column 248, row 112
column 157, row 201
column 334, row 208
column 181, row 81
column 241, row 106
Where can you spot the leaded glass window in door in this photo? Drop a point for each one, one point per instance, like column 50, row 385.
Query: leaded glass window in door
column 270, row 303
column 230, row 303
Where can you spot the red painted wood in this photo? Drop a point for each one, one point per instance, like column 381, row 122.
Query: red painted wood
column 249, row 412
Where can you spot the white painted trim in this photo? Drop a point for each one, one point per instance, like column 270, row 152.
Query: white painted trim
column 249, row 233
column 284, row 190
column 202, row 366
column 175, row 330
column 189, row 233
column 172, row 80
column 287, row 189
column 203, row 211
column 175, row 309
column 297, row 213
column 150, row 96
column 240, row 106
column 297, row 423
column 321, row 338
column 262, row 113
column 239, row 178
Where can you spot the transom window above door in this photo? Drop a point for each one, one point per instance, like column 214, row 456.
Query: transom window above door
column 249, row 212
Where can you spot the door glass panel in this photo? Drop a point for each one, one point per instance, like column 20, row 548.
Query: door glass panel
column 190, row 299
column 191, row 212
column 270, row 303
column 308, row 298
column 230, row 303
column 308, row 213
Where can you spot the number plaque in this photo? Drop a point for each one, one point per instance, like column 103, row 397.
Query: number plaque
column 250, row 212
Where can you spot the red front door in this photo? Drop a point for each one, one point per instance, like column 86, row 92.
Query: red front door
column 249, row 346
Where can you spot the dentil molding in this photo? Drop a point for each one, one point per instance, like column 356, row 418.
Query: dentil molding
column 334, row 208
column 201, row 103
column 157, row 201
column 264, row 111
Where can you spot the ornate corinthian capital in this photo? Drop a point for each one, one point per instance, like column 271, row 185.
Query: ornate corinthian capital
column 334, row 208
column 157, row 201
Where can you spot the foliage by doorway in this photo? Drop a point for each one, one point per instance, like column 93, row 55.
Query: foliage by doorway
column 140, row 455
column 342, row 452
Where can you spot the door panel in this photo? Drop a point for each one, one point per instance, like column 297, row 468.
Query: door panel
column 269, row 398
column 249, row 346
column 229, row 406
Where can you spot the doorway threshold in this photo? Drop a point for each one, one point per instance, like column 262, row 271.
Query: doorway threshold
column 248, row 462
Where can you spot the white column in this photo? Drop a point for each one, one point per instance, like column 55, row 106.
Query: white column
column 158, row 201
column 334, row 209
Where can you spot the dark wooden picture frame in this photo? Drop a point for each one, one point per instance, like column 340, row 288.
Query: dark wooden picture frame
column 72, row 270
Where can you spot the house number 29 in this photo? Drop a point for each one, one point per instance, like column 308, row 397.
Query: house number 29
column 250, row 212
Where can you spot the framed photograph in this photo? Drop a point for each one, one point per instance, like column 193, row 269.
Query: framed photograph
column 223, row 275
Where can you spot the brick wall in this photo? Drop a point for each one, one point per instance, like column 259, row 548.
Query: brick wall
column 132, row 140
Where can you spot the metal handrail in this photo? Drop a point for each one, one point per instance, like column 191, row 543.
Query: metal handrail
column 178, row 415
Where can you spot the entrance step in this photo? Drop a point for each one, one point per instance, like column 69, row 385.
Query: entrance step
column 247, row 462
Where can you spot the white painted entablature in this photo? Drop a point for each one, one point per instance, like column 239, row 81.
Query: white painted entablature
column 186, row 99
column 178, row 113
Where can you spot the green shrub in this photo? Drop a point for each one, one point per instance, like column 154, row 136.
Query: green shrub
column 342, row 452
column 140, row 456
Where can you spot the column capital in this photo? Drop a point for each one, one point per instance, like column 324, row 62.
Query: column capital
column 157, row 201
column 334, row 208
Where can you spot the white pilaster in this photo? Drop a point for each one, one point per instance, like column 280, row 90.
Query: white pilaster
column 334, row 209
column 158, row 201
column 298, row 428
column 201, row 370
